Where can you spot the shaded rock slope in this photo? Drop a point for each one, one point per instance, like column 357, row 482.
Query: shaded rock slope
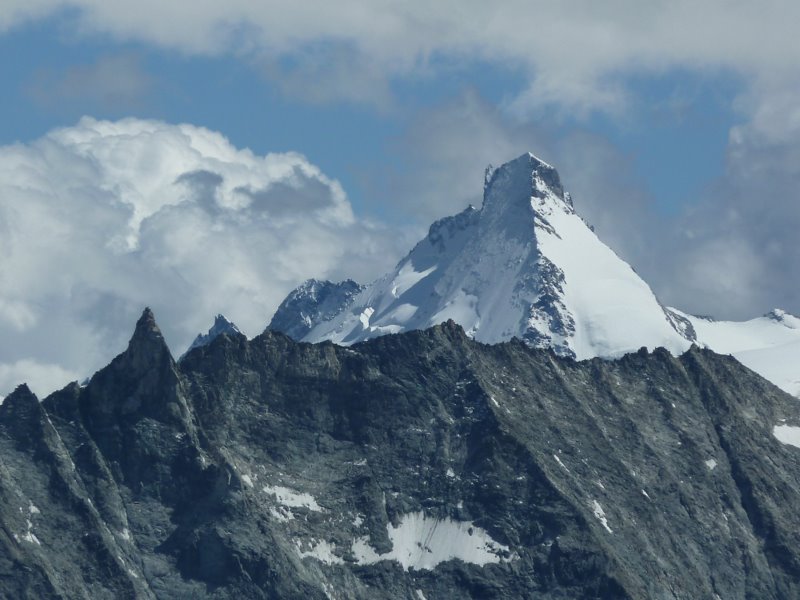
column 423, row 465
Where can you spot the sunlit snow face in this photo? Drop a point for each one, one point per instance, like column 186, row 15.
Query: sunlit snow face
column 101, row 219
column 525, row 265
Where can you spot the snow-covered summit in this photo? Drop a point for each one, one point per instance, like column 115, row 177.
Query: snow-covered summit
column 516, row 181
column 312, row 302
column 524, row 264
column 221, row 325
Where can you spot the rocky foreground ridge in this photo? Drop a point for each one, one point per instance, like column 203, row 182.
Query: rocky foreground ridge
column 423, row 465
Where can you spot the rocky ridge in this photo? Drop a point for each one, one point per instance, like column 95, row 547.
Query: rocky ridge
column 420, row 465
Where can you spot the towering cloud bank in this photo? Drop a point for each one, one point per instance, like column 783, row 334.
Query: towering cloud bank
column 100, row 219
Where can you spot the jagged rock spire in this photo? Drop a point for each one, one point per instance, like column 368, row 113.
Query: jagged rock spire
column 147, row 328
column 147, row 346
column 19, row 402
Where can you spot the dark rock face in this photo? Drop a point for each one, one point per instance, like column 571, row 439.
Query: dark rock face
column 444, row 232
column 421, row 465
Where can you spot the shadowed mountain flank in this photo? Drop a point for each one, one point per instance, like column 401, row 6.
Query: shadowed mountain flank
column 423, row 464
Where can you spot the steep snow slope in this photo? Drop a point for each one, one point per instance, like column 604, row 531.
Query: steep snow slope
column 769, row 345
column 524, row 265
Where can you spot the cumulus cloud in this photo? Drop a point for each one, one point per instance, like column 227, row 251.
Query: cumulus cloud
column 103, row 218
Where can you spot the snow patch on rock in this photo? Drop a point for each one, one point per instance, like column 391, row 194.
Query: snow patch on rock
column 322, row 551
column 787, row 434
column 600, row 514
column 561, row 464
column 293, row 499
column 421, row 542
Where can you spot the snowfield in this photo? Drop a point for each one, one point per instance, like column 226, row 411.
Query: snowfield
column 769, row 345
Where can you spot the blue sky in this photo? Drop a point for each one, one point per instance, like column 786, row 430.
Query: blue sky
column 221, row 93
column 679, row 120
column 675, row 126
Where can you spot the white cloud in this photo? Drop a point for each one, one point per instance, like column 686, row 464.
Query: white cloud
column 573, row 54
column 44, row 378
column 101, row 219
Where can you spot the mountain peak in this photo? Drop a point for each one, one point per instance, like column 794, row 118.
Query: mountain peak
column 146, row 326
column 221, row 325
column 221, row 321
column 521, row 180
column 23, row 390
column 783, row 317
column 525, row 265
column 147, row 342
column 534, row 158
column 22, row 401
column 312, row 302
